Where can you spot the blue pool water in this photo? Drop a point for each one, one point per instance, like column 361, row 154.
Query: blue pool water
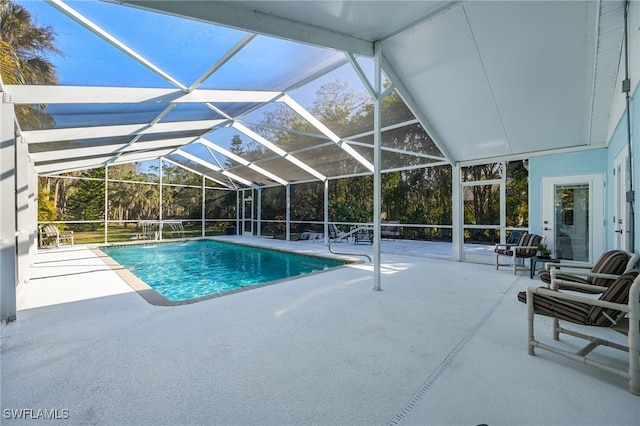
column 184, row 271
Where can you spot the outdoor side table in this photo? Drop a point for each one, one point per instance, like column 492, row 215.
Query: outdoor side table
column 542, row 260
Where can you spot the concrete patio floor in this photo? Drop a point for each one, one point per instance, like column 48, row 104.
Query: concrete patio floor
column 444, row 343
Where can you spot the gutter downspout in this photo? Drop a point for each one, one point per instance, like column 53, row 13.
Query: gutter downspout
column 626, row 88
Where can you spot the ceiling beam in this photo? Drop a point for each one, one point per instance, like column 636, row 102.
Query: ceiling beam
column 271, row 146
column 72, row 154
column 42, row 94
column 215, row 168
column 78, row 133
column 99, row 161
column 326, row 131
column 230, row 184
column 242, row 161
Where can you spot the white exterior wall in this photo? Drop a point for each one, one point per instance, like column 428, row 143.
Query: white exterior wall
column 7, row 214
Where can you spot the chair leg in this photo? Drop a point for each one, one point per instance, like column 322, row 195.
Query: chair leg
column 634, row 353
column 556, row 326
column 530, row 317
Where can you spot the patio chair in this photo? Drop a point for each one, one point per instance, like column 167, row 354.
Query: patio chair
column 618, row 308
column 335, row 234
column 525, row 248
column 51, row 233
column 609, row 266
column 390, row 230
column 363, row 235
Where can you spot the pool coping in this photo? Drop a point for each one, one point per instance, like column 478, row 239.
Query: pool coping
column 153, row 297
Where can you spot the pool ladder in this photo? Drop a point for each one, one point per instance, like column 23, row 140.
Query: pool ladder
column 353, row 231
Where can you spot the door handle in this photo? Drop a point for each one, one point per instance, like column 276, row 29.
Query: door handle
column 546, row 229
column 619, row 231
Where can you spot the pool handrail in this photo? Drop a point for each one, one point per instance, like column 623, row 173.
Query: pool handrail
column 348, row 234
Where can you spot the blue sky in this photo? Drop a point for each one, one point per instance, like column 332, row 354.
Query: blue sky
column 181, row 47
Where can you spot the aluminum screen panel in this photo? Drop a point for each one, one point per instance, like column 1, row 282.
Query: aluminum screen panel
column 331, row 161
column 285, row 169
column 411, row 138
column 91, row 115
column 272, row 64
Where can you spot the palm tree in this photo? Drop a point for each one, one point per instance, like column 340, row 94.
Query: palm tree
column 8, row 62
column 25, row 43
column 24, row 46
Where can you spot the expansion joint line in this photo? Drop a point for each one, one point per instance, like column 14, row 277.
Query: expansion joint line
column 422, row 391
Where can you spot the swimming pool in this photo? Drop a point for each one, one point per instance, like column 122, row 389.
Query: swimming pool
column 196, row 269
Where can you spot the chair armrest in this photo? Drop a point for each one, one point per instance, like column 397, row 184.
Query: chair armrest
column 599, row 275
column 504, row 246
column 576, row 298
column 584, row 274
column 524, row 247
column 548, row 266
column 568, row 285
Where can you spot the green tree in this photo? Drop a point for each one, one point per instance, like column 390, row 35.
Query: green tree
column 517, row 188
column 46, row 207
column 128, row 199
column 57, row 191
column 87, row 201
column 351, row 199
column 236, row 148
column 220, row 204
column 24, row 49
column 482, row 202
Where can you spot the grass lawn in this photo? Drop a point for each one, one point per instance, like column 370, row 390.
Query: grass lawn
column 120, row 233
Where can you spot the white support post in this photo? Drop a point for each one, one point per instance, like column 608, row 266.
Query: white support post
column 253, row 210
column 288, row 214
column 8, row 277
column 238, row 211
column 106, row 204
column 259, row 215
column 377, row 177
column 23, row 219
column 33, row 212
column 503, row 203
column 457, row 234
column 326, row 212
column 203, row 206
column 160, row 200
column 243, row 212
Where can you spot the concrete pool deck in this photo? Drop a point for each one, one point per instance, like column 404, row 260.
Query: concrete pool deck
column 443, row 343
